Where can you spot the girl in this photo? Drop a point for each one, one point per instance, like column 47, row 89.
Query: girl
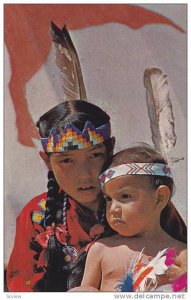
column 52, row 228
column 55, row 227
column 141, row 257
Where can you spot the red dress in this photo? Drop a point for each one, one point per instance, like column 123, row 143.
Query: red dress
column 21, row 276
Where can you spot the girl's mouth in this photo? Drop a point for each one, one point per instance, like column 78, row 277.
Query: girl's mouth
column 87, row 188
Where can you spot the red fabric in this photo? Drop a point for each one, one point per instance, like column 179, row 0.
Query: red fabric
column 20, row 274
column 59, row 231
column 28, row 42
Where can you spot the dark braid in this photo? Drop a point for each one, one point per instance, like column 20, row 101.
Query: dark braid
column 53, row 279
column 52, row 202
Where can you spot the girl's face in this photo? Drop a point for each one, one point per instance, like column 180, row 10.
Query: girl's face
column 131, row 208
column 77, row 172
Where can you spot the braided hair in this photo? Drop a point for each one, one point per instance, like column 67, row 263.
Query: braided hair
column 53, row 279
column 77, row 112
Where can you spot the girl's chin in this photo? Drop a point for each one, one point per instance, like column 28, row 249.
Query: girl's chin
column 87, row 196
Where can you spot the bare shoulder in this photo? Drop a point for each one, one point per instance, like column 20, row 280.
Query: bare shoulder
column 98, row 246
column 96, row 252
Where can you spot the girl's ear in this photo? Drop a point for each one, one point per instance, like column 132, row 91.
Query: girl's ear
column 46, row 159
column 162, row 196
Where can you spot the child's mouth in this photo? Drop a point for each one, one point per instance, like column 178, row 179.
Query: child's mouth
column 118, row 221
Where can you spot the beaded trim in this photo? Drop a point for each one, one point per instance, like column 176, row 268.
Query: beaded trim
column 155, row 169
column 71, row 138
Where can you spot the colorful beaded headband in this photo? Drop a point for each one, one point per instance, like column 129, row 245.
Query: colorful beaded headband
column 155, row 169
column 71, row 138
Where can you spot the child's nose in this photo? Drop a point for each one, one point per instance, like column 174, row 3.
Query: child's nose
column 115, row 207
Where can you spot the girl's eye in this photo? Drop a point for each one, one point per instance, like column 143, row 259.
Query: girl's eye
column 65, row 161
column 97, row 154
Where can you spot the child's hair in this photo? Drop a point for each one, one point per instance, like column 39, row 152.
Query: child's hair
column 145, row 153
column 76, row 112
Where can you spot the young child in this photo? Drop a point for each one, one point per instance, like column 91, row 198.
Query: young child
column 138, row 188
column 55, row 226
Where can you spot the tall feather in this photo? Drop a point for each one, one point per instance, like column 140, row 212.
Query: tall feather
column 68, row 64
column 160, row 110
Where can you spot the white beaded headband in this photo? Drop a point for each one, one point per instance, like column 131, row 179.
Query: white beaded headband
column 155, row 169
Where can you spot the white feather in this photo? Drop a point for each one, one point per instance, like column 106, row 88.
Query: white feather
column 160, row 110
column 159, row 268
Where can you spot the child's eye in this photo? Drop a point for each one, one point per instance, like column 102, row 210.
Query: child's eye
column 97, row 154
column 125, row 196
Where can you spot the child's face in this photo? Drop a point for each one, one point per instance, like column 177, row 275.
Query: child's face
column 131, row 208
column 77, row 172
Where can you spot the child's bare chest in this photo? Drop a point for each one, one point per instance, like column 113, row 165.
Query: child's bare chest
column 115, row 265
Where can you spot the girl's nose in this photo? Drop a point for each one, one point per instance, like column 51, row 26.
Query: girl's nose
column 84, row 169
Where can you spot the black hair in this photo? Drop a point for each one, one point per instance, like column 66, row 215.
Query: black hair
column 76, row 112
column 170, row 219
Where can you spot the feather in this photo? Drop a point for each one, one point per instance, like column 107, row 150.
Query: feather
column 155, row 267
column 159, row 110
column 180, row 283
column 126, row 285
column 68, row 64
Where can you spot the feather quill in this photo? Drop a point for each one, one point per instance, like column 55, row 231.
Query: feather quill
column 68, row 64
column 160, row 110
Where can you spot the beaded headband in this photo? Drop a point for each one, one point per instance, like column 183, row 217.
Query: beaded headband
column 155, row 169
column 71, row 138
